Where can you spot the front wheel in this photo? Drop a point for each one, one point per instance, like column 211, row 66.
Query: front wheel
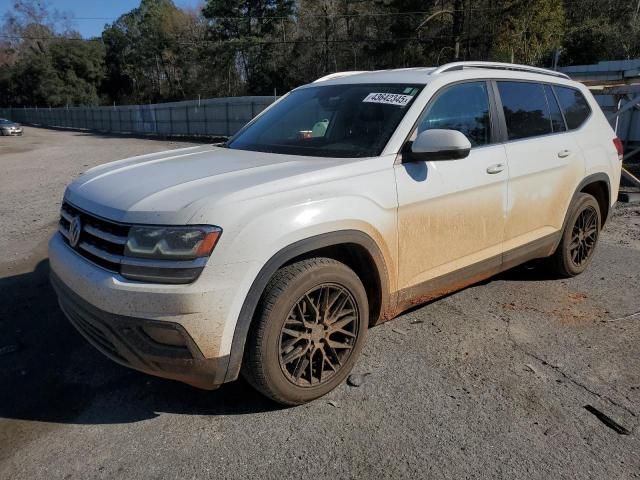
column 309, row 329
column 579, row 239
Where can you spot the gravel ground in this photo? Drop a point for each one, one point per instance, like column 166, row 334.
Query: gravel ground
column 491, row 382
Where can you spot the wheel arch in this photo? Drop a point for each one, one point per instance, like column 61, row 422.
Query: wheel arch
column 598, row 182
column 354, row 248
column 599, row 187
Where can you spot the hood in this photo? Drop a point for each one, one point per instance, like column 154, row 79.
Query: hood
column 170, row 187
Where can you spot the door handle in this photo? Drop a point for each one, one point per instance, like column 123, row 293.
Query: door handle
column 564, row 153
column 497, row 168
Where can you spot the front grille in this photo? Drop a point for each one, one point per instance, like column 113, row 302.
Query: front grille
column 101, row 241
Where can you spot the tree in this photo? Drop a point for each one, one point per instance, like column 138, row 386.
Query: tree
column 253, row 32
column 65, row 72
column 160, row 52
column 148, row 52
column 531, row 30
column 79, row 66
column 406, row 38
column 28, row 24
column 45, row 62
column 601, row 30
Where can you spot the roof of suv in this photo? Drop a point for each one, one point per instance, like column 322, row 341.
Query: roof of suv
column 423, row 74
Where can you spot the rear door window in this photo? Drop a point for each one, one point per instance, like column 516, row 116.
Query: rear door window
column 574, row 105
column 526, row 109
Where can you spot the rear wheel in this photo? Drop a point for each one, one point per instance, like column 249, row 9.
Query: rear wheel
column 309, row 330
column 579, row 239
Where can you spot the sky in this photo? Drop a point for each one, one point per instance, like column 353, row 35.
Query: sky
column 92, row 15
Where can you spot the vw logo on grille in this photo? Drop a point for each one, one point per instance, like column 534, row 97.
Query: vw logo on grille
column 74, row 231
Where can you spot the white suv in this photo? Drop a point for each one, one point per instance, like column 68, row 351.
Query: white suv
column 346, row 202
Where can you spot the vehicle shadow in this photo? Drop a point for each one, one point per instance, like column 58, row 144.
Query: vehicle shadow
column 49, row 373
column 533, row 271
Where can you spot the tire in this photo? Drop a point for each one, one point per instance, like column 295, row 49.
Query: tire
column 582, row 229
column 288, row 340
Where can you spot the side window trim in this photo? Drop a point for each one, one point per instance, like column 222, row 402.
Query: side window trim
column 552, row 87
column 497, row 119
column 490, row 99
column 548, row 100
column 494, row 114
column 499, row 109
column 504, row 137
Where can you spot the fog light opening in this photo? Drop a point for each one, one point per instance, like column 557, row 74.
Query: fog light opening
column 165, row 335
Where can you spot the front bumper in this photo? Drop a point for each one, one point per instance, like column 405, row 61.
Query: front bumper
column 13, row 132
column 125, row 341
column 207, row 310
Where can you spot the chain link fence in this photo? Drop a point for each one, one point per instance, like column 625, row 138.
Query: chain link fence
column 211, row 117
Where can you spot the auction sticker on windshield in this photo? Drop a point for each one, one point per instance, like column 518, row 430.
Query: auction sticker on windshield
column 388, row 99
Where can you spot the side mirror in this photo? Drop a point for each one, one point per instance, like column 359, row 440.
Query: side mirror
column 437, row 145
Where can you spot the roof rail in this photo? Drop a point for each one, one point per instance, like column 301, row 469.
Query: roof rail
column 331, row 76
column 449, row 67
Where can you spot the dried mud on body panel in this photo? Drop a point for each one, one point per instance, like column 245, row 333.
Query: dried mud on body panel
column 442, row 286
column 531, row 210
column 444, row 230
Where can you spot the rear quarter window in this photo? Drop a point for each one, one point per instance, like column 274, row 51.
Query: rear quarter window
column 574, row 106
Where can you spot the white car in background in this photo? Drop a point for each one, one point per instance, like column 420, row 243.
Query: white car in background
column 346, row 202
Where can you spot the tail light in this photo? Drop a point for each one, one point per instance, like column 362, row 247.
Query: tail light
column 619, row 147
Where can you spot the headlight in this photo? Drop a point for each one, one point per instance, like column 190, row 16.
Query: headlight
column 171, row 243
column 168, row 254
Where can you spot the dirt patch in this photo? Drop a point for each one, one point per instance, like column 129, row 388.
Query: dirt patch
column 578, row 310
column 577, row 296
column 6, row 149
column 569, row 309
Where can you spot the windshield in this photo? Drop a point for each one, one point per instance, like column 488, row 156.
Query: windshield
column 4, row 121
column 346, row 121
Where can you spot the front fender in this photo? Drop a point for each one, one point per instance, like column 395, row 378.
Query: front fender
column 271, row 237
column 264, row 227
